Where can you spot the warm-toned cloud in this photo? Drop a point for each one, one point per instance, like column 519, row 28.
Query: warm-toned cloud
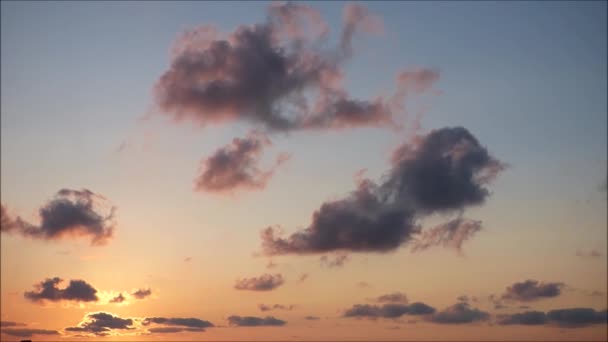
column 265, row 282
column 28, row 332
column 565, row 318
column 5, row 324
column 451, row 234
column 77, row 290
column 250, row 321
column 459, row 313
column 395, row 297
column 302, row 278
column 312, row 318
column 142, row 293
column 591, row 254
column 264, row 307
column 236, row 166
column 171, row 330
column 442, row 172
column 388, row 310
column 274, row 74
column 102, row 323
column 118, row 299
column 531, row 290
column 71, row 213
column 337, row 262
column 179, row 322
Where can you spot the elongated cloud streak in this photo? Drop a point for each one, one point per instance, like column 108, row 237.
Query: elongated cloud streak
column 71, row 213
column 442, row 172
column 250, row 321
column 265, row 282
column 531, row 290
column 388, row 310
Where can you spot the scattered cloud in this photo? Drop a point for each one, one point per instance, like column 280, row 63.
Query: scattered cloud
column 71, row 213
column 363, row 284
column 236, row 166
column 566, row 318
column 180, row 322
column 337, row 262
column 5, row 324
column 444, row 171
column 302, row 277
column 459, row 313
column 28, row 332
column 118, row 299
column 591, row 254
column 142, row 293
column 265, row 282
column 451, row 234
column 531, row 290
column 312, row 318
column 388, row 310
column 524, row 318
column 395, row 297
column 264, row 307
column 47, row 290
column 250, row 321
column 102, row 323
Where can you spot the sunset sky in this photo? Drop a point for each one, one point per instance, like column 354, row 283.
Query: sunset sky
column 304, row 171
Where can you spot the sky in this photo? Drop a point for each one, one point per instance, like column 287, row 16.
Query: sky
column 417, row 170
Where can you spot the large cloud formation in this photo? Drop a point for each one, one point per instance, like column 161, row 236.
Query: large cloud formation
column 235, row 166
column 265, row 282
column 566, row 318
column 276, row 75
column 71, row 213
column 531, row 290
column 442, row 172
column 251, row 321
column 77, row 290
column 102, row 323
column 388, row 310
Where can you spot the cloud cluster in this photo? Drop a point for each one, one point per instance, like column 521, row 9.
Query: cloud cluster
column 388, row 310
column 77, row 290
column 567, row 318
column 442, row 172
column 337, row 262
column 264, row 307
column 459, row 313
column 531, row 290
column 275, row 74
column 235, row 166
column 251, row 321
column 71, row 213
column 102, row 323
column 265, row 282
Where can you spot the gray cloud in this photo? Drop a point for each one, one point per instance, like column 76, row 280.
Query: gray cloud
column 101, row 323
column 77, row 290
column 442, row 172
column 590, row 254
column 235, row 166
column 5, row 324
column 118, row 299
column 28, row 332
column 388, row 310
column 72, row 213
column 250, row 321
column 142, row 293
column 312, row 318
column 337, row 262
column 265, row 282
column 531, row 290
column 181, row 322
column 264, row 307
column 459, row 313
column 577, row 317
column 450, row 234
column 524, row 318
column 170, row 330
column 395, row 297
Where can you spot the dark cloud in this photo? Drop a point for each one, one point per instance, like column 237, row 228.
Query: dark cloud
column 28, row 332
column 312, row 318
column 142, row 293
column 531, row 290
column 265, row 282
column 235, row 166
column 388, row 310
column 337, row 262
column 273, row 74
column 101, row 323
column 77, row 290
column 442, row 172
column 72, row 213
column 250, row 321
column 524, row 318
column 264, row 307
column 182, row 322
column 4, row 324
column 118, row 299
column 577, row 317
column 395, row 297
column 169, row 330
column 459, row 313
column 450, row 234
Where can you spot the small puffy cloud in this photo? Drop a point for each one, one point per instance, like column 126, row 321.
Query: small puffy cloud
column 102, row 324
column 118, row 299
column 142, row 293
column 388, row 310
column 264, row 307
column 531, row 290
column 395, row 297
column 459, row 313
column 71, row 213
column 524, row 318
column 265, row 282
column 77, row 290
column 250, row 321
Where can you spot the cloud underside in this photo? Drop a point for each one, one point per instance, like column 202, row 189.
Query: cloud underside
column 251, row 321
column 71, row 213
column 532, row 290
column 443, row 172
column 47, row 290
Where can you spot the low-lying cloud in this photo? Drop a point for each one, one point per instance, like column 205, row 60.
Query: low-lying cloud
column 565, row 318
column 102, row 323
column 251, row 321
column 459, row 313
column 264, row 307
column 388, row 310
